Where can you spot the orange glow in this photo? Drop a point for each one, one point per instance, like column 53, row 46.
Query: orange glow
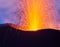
column 33, row 15
column 39, row 14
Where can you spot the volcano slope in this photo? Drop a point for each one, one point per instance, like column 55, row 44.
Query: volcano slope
column 11, row 37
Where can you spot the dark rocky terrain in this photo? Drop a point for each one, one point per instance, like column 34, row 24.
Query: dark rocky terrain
column 11, row 37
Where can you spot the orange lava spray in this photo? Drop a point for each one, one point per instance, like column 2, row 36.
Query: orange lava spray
column 39, row 14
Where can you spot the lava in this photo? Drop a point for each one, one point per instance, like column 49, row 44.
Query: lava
column 30, row 15
column 39, row 14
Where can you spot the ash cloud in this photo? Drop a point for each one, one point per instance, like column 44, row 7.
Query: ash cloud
column 10, row 11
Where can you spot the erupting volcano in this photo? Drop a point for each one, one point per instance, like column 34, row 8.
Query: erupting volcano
column 38, row 14
column 29, row 23
column 30, row 15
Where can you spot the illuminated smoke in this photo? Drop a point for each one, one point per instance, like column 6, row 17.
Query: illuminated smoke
column 39, row 14
column 30, row 14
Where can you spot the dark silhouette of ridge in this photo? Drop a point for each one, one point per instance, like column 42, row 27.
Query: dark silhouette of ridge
column 11, row 37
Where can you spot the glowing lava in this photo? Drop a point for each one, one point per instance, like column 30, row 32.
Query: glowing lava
column 38, row 14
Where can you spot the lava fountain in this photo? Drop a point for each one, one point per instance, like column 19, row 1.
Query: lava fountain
column 38, row 14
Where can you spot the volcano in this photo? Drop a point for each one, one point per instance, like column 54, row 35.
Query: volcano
column 12, row 37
